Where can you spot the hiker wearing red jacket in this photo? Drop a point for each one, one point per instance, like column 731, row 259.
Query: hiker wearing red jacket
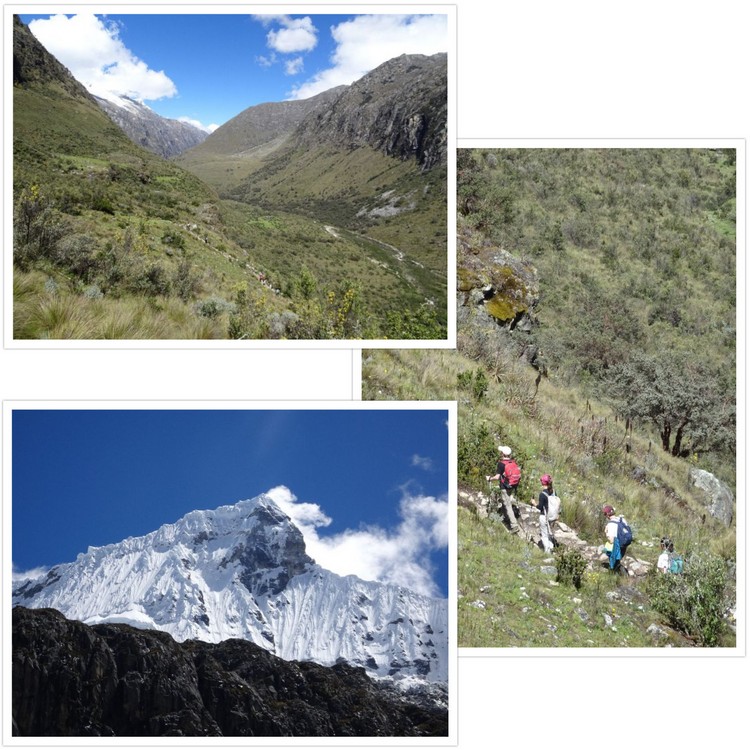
column 508, row 475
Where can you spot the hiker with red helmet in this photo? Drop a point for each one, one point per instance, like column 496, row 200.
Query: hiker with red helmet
column 549, row 511
column 508, row 475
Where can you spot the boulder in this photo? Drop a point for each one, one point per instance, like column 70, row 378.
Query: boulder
column 717, row 497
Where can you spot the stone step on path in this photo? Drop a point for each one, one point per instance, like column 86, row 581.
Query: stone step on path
column 528, row 519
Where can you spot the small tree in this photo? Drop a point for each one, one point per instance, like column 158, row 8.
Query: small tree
column 37, row 227
column 679, row 396
column 184, row 281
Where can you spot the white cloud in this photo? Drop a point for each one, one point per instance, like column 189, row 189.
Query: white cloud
column 365, row 42
column 22, row 575
column 268, row 18
column 266, row 62
column 305, row 515
column 399, row 556
column 296, row 35
column 294, row 66
column 423, row 462
column 92, row 50
column 198, row 124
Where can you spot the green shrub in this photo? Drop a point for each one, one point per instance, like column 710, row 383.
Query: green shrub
column 173, row 239
column 480, row 385
column 77, row 253
column 37, row 228
column 421, row 324
column 474, row 381
column 102, row 203
column 154, row 281
column 184, row 282
column 694, row 601
column 477, row 454
column 571, row 565
column 213, row 307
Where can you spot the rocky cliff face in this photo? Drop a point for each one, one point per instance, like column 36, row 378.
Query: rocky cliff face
column 400, row 108
column 70, row 679
column 144, row 127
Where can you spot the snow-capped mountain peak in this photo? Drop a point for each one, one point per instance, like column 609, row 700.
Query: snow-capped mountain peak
column 145, row 127
column 241, row 571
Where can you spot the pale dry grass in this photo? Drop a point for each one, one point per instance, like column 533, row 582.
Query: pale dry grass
column 46, row 310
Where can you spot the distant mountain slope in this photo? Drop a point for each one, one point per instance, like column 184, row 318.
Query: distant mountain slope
column 158, row 134
column 260, row 124
column 374, row 161
column 112, row 680
column 399, row 108
column 241, row 571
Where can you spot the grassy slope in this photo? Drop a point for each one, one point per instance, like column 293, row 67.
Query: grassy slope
column 330, row 187
column 553, row 432
column 649, row 232
column 562, row 429
column 108, row 188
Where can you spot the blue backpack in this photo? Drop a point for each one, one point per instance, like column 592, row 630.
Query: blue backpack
column 624, row 533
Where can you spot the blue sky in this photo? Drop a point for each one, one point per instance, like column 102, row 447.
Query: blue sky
column 207, row 68
column 93, row 477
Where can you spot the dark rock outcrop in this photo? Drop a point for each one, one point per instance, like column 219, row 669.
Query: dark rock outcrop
column 270, row 560
column 491, row 280
column 70, row 679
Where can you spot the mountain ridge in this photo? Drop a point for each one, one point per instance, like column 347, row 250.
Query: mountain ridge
column 261, row 123
column 242, row 571
column 71, row 679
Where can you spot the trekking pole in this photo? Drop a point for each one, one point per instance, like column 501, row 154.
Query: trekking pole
column 492, row 500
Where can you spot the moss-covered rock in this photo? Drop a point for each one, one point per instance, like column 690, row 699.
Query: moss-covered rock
column 504, row 287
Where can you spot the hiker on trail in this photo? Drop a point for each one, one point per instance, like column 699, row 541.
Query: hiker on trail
column 548, row 513
column 508, row 475
column 618, row 535
column 662, row 564
column 668, row 561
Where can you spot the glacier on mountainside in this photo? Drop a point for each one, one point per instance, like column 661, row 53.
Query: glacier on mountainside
column 241, row 571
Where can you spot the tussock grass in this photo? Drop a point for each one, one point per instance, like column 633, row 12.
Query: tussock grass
column 48, row 309
column 54, row 317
